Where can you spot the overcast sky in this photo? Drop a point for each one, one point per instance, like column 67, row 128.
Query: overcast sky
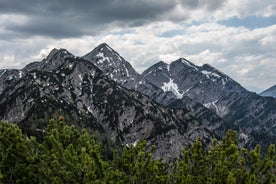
column 236, row 36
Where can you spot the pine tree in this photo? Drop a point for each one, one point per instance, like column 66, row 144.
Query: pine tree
column 67, row 155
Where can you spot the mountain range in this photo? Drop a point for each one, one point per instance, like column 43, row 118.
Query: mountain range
column 169, row 105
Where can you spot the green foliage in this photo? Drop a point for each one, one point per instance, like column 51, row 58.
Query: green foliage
column 225, row 163
column 138, row 166
column 66, row 155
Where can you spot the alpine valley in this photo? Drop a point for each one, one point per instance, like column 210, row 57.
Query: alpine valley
column 169, row 105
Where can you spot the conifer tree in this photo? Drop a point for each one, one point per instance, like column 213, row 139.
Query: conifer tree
column 67, row 155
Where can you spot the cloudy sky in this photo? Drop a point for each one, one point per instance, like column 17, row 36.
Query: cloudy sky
column 236, row 36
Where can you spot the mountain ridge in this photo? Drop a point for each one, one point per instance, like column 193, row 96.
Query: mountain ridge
column 63, row 84
column 244, row 111
column 190, row 101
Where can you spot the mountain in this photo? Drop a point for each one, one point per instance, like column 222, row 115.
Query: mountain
column 168, row 105
column 253, row 116
column 269, row 92
column 63, row 84
column 121, row 71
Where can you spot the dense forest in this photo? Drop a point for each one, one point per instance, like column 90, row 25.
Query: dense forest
column 65, row 154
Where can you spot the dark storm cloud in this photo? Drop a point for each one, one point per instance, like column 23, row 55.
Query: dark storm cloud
column 55, row 28
column 71, row 18
column 209, row 5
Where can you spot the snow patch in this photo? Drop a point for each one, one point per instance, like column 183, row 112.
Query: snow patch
column 133, row 144
column 104, row 58
column 168, row 68
column 187, row 90
column 80, row 77
column 34, row 75
column 127, row 74
column 224, row 80
column 2, row 72
column 243, row 136
column 20, row 74
column 109, row 48
column 210, row 75
column 148, row 73
column 171, row 86
column 89, row 109
column 212, row 104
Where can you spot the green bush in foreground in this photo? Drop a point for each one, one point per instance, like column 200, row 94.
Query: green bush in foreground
column 66, row 155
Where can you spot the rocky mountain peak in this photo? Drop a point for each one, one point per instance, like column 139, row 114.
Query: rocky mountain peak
column 104, row 47
column 161, row 66
column 162, row 63
column 110, row 62
column 183, row 63
column 57, row 54
column 103, row 53
column 55, row 58
column 119, row 70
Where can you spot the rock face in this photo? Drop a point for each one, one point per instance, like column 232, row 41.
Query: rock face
column 63, row 84
column 8, row 77
column 252, row 115
column 269, row 92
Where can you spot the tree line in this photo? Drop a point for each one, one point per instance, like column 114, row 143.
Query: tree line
column 67, row 155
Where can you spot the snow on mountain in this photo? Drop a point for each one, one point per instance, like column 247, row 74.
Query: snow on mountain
column 167, row 92
column 85, row 88
column 242, row 110
column 171, row 86
column 63, row 84
column 121, row 71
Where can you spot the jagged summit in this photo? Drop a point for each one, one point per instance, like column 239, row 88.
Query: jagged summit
column 104, row 52
column 160, row 66
column 205, row 84
column 182, row 62
column 104, row 46
column 162, row 63
column 119, row 70
column 58, row 54
column 108, row 60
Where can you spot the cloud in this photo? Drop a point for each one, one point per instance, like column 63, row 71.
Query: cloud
column 70, row 18
column 245, row 55
column 145, row 32
column 209, row 5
